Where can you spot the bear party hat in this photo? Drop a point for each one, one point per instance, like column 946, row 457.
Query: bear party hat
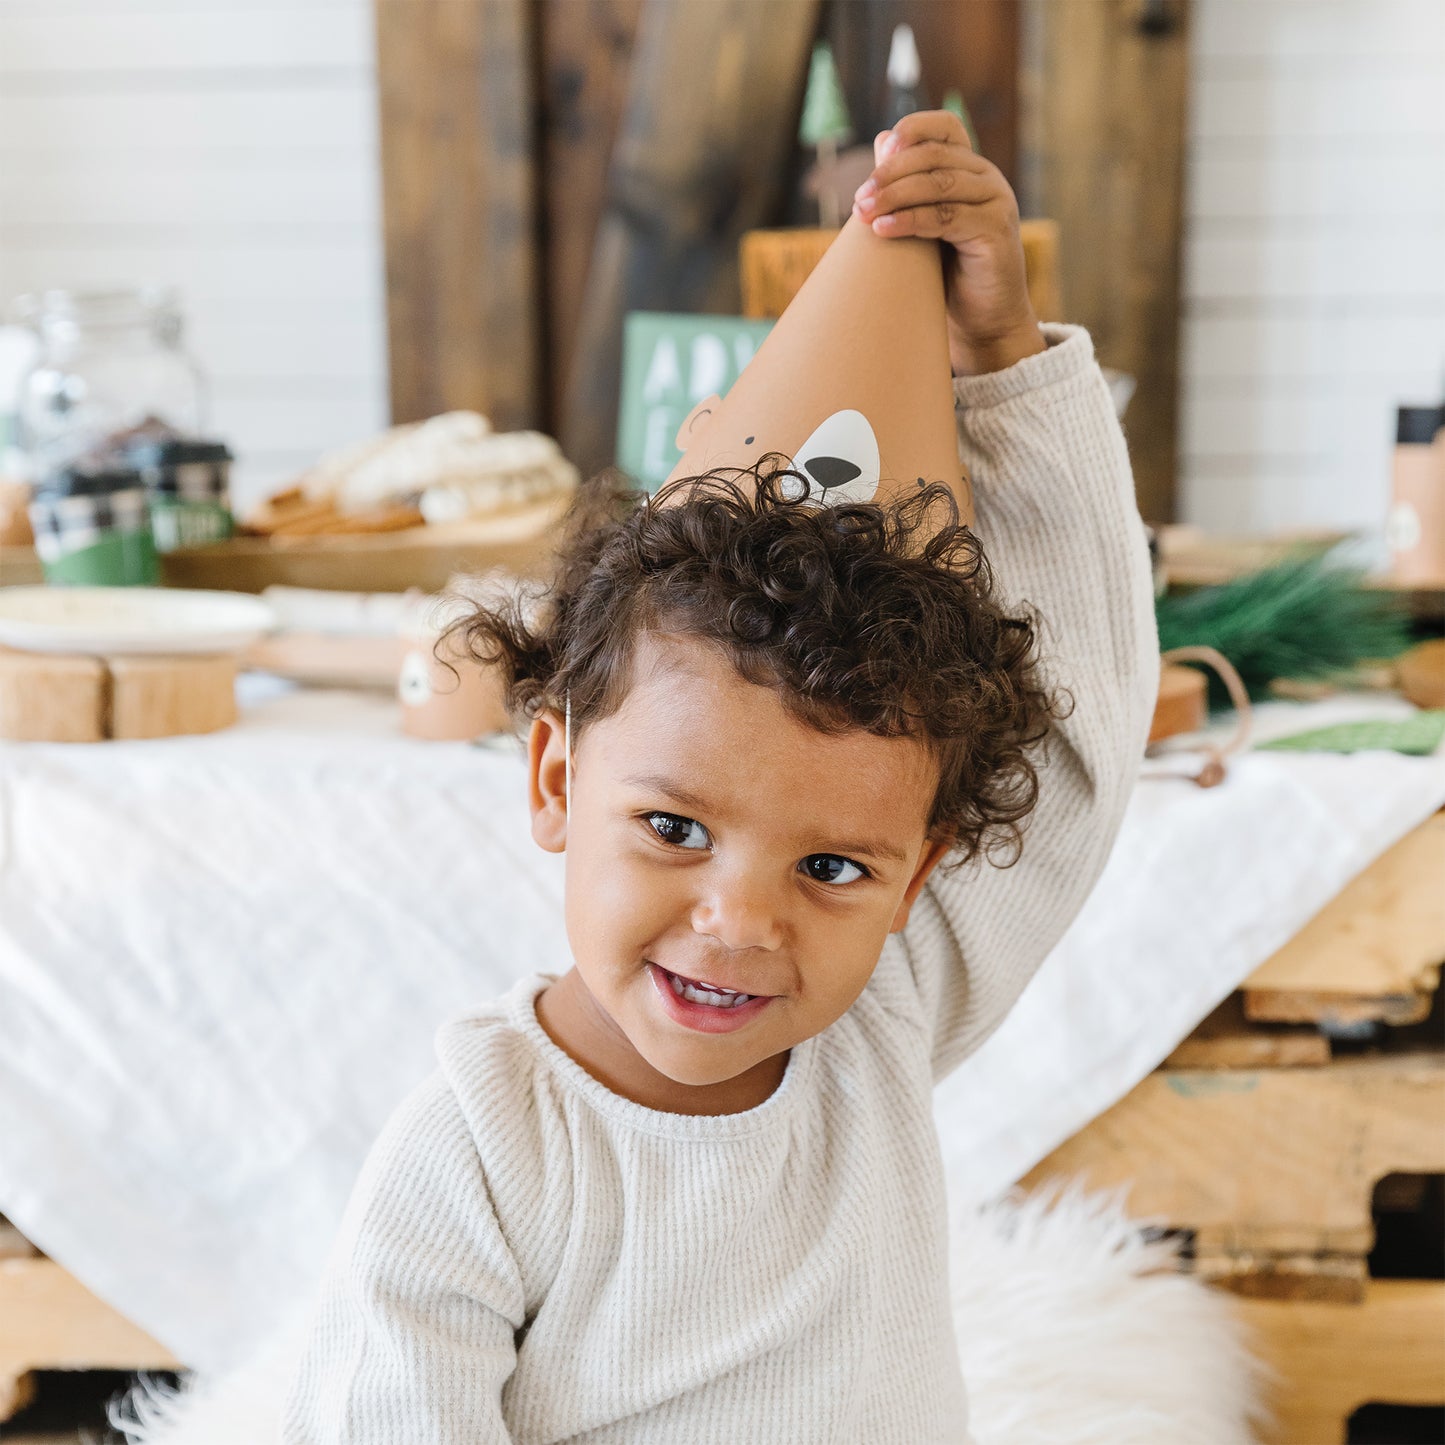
column 852, row 384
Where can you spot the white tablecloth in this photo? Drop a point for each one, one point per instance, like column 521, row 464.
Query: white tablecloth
column 222, row 960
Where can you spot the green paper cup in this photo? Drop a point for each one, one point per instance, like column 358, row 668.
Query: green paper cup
column 189, row 486
column 92, row 528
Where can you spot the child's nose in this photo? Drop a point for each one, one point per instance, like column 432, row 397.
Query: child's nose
column 741, row 912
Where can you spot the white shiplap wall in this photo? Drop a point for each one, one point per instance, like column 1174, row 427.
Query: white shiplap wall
column 229, row 148
column 1314, row 256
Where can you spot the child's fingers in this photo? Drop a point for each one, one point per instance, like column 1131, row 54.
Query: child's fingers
column 953, row 221
column 924, row 188
column 930, row 156
column 931, row 125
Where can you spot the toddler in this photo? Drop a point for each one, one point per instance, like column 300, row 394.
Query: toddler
column 689, row 1190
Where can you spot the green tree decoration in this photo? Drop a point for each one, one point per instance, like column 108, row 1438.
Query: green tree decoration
column 825, row 125
column 953, row 101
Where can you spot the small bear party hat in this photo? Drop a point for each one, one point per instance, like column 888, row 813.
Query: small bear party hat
column 852, row 384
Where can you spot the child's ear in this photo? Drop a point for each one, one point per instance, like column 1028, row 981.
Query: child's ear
column 547, row 782
column 933, row 854
column 695, row 420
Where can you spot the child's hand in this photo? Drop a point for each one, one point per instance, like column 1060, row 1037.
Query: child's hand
column 927, row 181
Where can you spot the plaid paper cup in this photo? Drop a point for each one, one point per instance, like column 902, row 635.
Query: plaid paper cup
column 93, row 528
column 189, row 486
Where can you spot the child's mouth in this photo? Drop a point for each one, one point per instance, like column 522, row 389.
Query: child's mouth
column 701, row 1005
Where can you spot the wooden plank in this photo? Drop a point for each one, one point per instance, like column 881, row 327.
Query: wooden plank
column 1330, row 1359
column 1227, row 1040
column 697, row 162
column 458, row 184
column 973, row 48
column 13, row 1244
column 1338, row 1278
column 1381, row 937
column 585, row 46
column 1335, row 1010
column 50, row 1321
column 1106, row 141
column 1281, row 1161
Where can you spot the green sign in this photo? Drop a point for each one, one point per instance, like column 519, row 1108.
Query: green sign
column 669, row 364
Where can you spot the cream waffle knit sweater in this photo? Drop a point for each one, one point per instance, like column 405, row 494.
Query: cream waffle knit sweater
column 530, row 1258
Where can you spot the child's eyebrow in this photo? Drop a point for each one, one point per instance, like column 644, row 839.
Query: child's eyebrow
column 657, row 782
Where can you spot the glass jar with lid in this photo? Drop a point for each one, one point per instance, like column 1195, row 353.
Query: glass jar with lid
column 111, row 368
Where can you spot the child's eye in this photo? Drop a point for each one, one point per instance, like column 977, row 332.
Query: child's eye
column 830, row 868
column 672, row 828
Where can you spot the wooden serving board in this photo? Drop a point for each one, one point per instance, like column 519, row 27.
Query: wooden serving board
column 47, row 697
column 519, row 540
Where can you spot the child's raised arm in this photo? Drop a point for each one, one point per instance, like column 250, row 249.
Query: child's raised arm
column 1059, row 525
column 414, row 1334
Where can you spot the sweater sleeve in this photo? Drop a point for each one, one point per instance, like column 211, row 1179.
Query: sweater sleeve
column 1060, row 527
column 414, row 1332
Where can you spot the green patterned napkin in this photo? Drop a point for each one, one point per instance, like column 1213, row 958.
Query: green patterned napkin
column 1416, row 735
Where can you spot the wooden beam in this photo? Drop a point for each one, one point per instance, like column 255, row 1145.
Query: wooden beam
column 585, row 46
column 1376, row 947
column 712, row 111
column 1227, row 1040
column 1329, row 1359
column 1281, row 1161
column 50, row 1321
column 1105, row 85
column 458, row 117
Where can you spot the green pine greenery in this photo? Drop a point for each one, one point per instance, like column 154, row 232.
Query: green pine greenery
column 825, row 112
column 1306, row 618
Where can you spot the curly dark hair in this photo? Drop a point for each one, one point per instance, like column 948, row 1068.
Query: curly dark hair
column 858, row 615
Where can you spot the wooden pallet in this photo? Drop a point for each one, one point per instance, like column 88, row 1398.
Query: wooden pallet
column 1270, row 1153
column 50, row 1321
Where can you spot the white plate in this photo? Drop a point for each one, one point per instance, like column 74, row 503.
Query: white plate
column 130, row 620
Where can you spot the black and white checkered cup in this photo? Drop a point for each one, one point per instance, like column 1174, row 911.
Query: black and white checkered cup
column 189, row 486
column 92, row 527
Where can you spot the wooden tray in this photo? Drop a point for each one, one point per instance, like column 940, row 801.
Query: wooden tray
column 519, row 540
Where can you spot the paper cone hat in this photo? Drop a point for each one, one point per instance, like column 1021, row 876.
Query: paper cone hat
column 853, row 383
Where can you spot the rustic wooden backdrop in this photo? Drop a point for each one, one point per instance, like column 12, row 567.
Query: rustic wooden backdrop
column 550, row 165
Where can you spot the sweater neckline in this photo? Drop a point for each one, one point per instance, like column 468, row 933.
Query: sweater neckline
column 776, row 1108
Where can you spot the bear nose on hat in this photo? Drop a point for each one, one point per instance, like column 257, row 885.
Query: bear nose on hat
column 831, row 472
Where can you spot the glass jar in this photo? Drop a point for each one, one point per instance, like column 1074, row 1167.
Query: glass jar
column 111, row 368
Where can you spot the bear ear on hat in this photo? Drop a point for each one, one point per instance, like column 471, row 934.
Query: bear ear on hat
column 694, row 422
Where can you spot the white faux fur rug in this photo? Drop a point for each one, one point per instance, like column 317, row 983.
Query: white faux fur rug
column 1073, row 1329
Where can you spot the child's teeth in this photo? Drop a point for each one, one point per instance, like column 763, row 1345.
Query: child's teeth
column 706, row 996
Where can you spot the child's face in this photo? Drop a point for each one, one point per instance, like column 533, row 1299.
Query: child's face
column 715, row 838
